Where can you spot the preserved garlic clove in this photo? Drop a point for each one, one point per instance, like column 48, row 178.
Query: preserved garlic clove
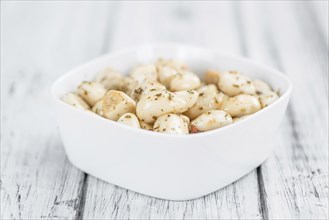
column 166, row 74
column 146, row 87
column 76, row 101
column 209, row 99
column 144, row 72
column 236, row 119
column 170, row 123
column 173, row 64
column 233, row 83
column 211, row 120
column 241, row 105
column 91, row 92
column 146, row 126
column 129, row 119
column 114, row 105
column 111, row 79
column 184, row 81
column 157, row 103
column 211, row 77
column 267, row 98
column 190, row 97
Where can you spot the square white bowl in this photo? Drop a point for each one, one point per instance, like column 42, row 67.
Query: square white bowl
column 162, row 165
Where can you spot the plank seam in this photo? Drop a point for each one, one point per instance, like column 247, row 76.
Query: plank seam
column 310, row 11
column 244, row 49
column 82, row 197
column 290, row 109
column 262, row 194
column 107, row 36
column 104, row 49
column 240, row 28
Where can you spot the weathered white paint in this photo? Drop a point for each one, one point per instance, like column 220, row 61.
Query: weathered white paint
column 41, row 40
column 225, row 204
column 295, row 179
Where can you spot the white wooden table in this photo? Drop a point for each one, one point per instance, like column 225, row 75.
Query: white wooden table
column 42, row 40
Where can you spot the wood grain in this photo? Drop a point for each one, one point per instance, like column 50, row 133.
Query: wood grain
column 295, row 179
column 41, row 40
column 105, row 201
column 319, row 13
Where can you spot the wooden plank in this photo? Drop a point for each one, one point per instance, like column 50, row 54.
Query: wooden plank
column 39, row 42
column 38, row 182
column 211, row 25
column 319, row 13
column 295, row 180
column 105, row 201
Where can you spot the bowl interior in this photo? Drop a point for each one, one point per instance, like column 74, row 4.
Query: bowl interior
column 199, row 60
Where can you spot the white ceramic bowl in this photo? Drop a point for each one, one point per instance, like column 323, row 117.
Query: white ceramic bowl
column 162, row 165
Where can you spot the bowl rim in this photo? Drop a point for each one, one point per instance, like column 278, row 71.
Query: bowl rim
column 76, row 70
